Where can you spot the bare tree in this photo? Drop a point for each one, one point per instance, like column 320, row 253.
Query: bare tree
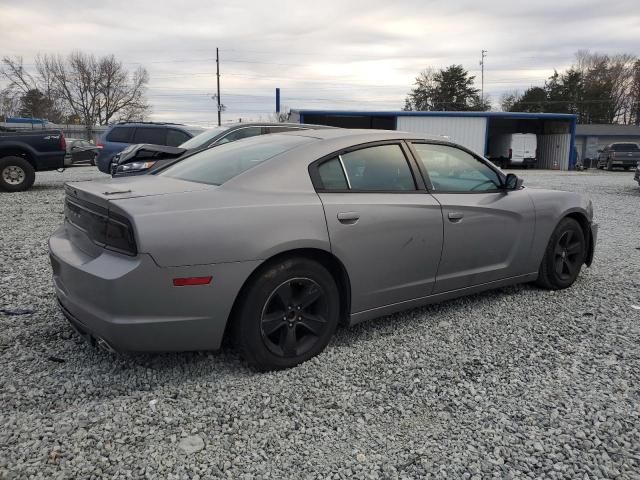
column 95, row 90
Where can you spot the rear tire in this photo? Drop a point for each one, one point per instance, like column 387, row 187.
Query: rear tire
column 564, row 256
column 287, row 314
column 16, row 174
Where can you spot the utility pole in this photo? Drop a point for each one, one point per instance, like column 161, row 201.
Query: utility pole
column 218, row 94
column 483, row 54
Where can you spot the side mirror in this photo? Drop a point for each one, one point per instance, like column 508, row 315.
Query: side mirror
column 512, row 182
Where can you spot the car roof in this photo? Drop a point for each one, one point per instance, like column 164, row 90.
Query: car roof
column 362, row 135
column 273, row 124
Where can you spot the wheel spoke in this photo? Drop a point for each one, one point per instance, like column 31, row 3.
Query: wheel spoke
column 574, row 248
column 313, row 323
column 568, row 265
column 271, row 322
column 285, row 294
column 559, row 264
column 288, row 341
column 569, row 237
column 309, row 296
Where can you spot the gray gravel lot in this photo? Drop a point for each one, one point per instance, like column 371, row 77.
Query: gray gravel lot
column 517, row 382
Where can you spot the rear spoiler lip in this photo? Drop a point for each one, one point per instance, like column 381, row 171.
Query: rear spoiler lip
column 163, row 152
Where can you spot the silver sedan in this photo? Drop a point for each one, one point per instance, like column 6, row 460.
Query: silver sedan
column 276, row 240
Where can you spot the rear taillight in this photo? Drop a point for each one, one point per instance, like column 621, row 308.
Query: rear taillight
column 104, row 228
column 99, row 145
column 119, row 235
column 62, row 143
column 510, row 154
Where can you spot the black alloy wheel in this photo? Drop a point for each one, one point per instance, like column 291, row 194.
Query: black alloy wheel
column 294, row 316
column 568, row 255
column 564, row 256
column 286, row 314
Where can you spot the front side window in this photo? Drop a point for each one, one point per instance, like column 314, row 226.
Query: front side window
column 374, row 169
column 453, row 170
column 241, row 133
column 220, row 164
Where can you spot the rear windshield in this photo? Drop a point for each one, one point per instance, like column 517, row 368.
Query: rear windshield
column 624, row 147
column 219, row 164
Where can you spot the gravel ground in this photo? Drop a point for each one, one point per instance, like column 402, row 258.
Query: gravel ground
column 517, row 382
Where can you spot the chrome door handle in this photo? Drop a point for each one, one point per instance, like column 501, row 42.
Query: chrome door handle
column 455, row 216
column 348, row 218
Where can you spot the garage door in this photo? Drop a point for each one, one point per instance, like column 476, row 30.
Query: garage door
column 467, row 131
column 553, row 151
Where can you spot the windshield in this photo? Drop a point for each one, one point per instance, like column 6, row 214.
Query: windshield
column 202, row 138
column 624, row 147
column 217, row 165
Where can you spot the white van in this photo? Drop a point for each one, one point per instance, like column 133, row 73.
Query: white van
column 513, row 149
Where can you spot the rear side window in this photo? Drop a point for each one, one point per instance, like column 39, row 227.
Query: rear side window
column 120, row 134
column 382, row 168
column 332, row 175
column 220, row 164
column 155, row 136
column 176, row 137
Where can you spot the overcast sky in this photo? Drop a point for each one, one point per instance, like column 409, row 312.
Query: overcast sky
column 331, row 54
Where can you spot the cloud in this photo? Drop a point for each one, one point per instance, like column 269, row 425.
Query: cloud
column 334, row 54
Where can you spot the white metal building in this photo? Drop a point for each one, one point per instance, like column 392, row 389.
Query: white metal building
column 555, row 132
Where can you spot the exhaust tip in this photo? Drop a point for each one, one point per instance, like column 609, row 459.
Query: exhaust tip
column 104, row 345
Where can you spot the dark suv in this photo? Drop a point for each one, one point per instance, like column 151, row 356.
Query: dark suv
column 120, row 135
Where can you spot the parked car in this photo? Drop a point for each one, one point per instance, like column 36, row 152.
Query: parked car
column 22, row 154
column 119, row 136
column 624, row 155
column 514, row 150
column 80, row 151
column 275, row 240
column 141, row 159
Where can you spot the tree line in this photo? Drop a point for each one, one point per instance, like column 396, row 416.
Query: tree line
column 597, row 88
column 79, row 88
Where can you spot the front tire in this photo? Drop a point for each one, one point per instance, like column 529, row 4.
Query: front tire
column 16, row 174
column 563, row 257
column 287, row 314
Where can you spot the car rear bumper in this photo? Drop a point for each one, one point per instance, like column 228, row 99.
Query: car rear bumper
column 131, row 304
column 623, row 162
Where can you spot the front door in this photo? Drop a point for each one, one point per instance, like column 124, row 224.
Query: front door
column 386, row 231
column 488, row 231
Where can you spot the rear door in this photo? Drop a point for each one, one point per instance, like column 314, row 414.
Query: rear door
column 384, row 226
column 488, row 232
column 518, row 148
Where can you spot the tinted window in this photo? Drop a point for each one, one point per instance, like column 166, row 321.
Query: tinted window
column 624, row 147
column 241, row 133
column 217, row 165
column 176, row 137
column 381, row 168
column 332, row 175
column 120, row 134
column 453, row 170
column 204, row 137
column 155, row 136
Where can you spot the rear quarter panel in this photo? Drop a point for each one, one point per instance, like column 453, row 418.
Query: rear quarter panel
column 221, row 226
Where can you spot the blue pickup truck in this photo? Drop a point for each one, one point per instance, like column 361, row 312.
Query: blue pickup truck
column 22, row 154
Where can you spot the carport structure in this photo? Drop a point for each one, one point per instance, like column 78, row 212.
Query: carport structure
column 556, row 132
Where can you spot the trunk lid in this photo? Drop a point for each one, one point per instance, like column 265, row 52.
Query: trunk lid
column 100, row 192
